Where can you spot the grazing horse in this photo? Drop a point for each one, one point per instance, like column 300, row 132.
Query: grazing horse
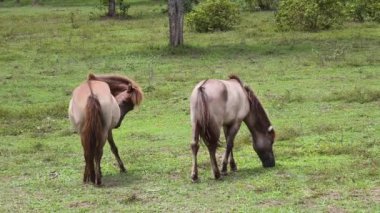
column 228, row 103
column 97, row 106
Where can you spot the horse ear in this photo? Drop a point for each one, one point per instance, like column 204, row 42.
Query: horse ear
column 130, row 88
column 91, row 76
column 136, row 94
column 271, row 131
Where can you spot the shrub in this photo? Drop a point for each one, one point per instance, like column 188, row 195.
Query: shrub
column 309, row 15
column 101, row 9
column 212, row 15
column 189, row 4
column 123, row 8
column 266, row 4
column 363, row 10
column 254, row 5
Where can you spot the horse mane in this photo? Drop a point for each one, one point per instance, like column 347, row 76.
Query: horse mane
column 262, row 120
column 119, row 84
column 235, row 77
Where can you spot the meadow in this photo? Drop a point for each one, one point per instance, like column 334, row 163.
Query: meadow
column 321, row 91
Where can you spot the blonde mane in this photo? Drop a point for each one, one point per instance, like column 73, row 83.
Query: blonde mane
column 119, row 84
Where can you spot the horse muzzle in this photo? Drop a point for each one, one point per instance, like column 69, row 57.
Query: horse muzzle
column 269, row 163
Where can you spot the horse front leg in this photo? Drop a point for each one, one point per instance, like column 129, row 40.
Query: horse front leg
column 232, row 162
column 230, row 133
column 115, row 151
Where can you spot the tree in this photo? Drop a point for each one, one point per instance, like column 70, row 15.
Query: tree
column 111, row 8
column 176, row 14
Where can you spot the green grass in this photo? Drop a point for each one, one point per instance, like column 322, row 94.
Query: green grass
column 320, row 89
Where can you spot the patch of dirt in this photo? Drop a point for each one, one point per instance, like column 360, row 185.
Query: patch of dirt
column 334, row 209
column 130, row 199
column 333, row 196
column 370, row 196
column 82, row 204
column 175, row 175
column 270, row 203
column 375, row 194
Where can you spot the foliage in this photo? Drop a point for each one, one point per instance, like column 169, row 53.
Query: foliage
column 189, row 5
column 101, row 8
column 266, row 4
column 363, row 10
column 123, row 8
column 309, row 15
column 213, row 15
column 256, row 5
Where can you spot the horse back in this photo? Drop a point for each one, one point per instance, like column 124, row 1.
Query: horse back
column 227, row 102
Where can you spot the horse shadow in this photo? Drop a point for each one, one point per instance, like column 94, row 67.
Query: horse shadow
column 117, row 179
column 250, row 173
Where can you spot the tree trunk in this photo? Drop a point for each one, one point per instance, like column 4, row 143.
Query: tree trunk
column 176, row 13
column 111, row 8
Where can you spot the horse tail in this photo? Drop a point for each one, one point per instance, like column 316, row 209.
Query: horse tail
column 208, row 129
column 92, row 134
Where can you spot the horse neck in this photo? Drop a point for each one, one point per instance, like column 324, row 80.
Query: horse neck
column 257, row 119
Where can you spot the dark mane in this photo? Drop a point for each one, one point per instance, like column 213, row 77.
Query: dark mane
column 119, row 84
column 262, row 121
column 235, row 77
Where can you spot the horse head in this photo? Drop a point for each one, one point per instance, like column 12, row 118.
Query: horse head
column 127, row 100
column 263, row 133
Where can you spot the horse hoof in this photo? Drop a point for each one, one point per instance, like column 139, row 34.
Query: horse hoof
column 123, row 170
column 224, row 173
column 217, row 176
column 194, row 178
column 233, row 167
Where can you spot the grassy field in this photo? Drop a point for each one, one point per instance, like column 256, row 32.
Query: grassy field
column 321, row 91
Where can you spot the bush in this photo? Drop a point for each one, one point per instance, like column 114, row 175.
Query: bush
column 189, row 4
column 267, row 4
column 212, row 15
column 254, row 5
column 123, row 8
column 363, row 10
column 309, row 15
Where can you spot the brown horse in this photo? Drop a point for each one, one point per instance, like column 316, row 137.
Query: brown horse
column 96, row 107
column 228, row 103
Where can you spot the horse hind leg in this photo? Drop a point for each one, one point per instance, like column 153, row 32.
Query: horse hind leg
column 194, row 148
column 89, row 172
column 214, row 165
column 115, row 151
column 212, row 145
column 98, row 173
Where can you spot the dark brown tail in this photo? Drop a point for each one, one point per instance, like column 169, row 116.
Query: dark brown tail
column 91, row 135
column 208, row 129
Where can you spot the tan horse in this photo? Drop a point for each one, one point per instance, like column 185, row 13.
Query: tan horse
column 228, row 103
column 96, row 107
